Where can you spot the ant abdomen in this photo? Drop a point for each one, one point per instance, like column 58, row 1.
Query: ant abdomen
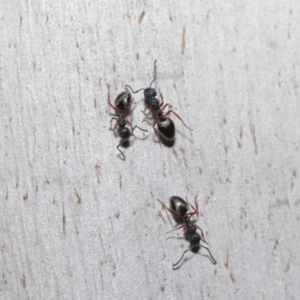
column 123, row 101
column 178, row 205
column 166, row 129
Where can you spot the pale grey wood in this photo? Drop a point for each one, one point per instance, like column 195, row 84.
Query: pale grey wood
column 79, row 223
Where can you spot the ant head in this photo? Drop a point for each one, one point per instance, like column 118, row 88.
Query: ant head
column 123, row 101
column 178, row 205
column 194, row 240
column 149, row 93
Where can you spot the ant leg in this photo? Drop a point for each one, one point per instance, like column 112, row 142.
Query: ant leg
column 146, row 114
column 169, row 210
column 165, row 207
column 156, row 132
column 128, row 123
column 113, row 119
column 151, row 110
column 172, row 111
column 177, row 228
column 162, row 103
column 167, row 104
column 203, row 238
column 120, row 149
column 195, row 210
column 162, row 98
column 108, row 99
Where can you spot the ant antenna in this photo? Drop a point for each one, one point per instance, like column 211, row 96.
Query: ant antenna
column 128, row 86
column 123, row 140
column 155, row 75
column 121, row 150
column 210, row 256
column 181, row 257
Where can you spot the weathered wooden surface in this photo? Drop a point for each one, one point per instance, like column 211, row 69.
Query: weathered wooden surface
column 77, row 222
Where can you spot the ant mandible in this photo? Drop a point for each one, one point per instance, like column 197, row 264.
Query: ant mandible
column 165, row 125
column 179, row 210
column 123, row 109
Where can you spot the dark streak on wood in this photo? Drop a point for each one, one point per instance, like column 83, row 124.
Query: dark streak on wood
column 64, row 220
column 142, row 17
column 137, row 56
column 25, row 197
column 207, row 15
column 21, row 20
column 79, row 200
column 24, row 281
column 6, row 193
column 98, row 173
column 182, row 150
column 175, row 153
column 120, row 181
column 253, row 137
column 232, row 278
column 226, row 265
column 183, row 41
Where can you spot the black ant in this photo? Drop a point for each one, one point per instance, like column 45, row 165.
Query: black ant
column 179, row 210
column 165, row 125
column 123, row 109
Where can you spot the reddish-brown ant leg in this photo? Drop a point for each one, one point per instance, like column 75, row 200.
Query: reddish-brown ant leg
column 162, row 103
column 169, row 210
column 112, row 119
column 162, row 99
column 203, row 238
column 167, row 104
column 128, row 123
column 171, row 111
column 177, row 228
column 108, row 99
column 195, row 210
column 156, row 131
column 146, row 114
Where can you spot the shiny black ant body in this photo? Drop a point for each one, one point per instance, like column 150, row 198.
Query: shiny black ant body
column 165, row 125
column 123, row 109
column 179, row 210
